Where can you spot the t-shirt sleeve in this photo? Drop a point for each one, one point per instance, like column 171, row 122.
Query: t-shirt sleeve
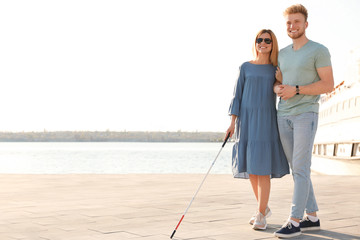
column 322, row 58
column 235, row 104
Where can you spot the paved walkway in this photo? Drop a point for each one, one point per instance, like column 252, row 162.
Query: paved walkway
column 106, row 207
column 328, row 166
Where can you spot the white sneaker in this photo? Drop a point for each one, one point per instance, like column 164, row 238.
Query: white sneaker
column 267, row 214
column 260, row 222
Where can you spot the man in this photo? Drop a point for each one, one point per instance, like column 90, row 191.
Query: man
column 306, row 73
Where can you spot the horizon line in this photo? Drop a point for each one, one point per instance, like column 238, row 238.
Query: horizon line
column 122, row 131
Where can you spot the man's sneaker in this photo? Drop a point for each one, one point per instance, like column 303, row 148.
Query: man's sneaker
column 260, row 222
column 288, row 230
column 306, row 224
column 267, row 214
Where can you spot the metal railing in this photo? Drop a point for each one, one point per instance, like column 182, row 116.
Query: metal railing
column 338, row 150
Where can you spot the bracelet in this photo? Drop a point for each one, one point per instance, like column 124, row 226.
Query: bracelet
column 297, row 90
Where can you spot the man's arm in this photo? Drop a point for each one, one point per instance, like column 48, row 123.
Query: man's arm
column 325, row 85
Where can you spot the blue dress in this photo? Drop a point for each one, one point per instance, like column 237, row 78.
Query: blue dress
column 257, row 149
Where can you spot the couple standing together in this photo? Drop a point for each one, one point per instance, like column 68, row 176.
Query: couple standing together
column 268, row 141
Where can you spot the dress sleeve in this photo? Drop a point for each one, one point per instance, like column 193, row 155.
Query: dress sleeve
column 234, row 108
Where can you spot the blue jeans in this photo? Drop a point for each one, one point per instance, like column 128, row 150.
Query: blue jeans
column 297, row 135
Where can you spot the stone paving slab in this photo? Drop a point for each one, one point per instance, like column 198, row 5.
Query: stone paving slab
column 148, row 207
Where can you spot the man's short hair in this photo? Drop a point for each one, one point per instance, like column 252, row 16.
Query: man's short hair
column 297, row 8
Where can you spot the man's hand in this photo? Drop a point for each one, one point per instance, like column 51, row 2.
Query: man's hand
column 286, row 92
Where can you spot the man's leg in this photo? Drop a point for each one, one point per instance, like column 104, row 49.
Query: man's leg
column 311, row 221
column 311, row 206
column 286, row 133
column 305, row 126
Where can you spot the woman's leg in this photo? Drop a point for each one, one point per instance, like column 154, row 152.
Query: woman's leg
column 254, row 183
column 263, row 199
column 263, row 192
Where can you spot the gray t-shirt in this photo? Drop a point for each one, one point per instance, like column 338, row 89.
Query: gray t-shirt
column 299, row 68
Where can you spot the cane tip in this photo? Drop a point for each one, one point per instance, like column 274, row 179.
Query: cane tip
column 173, row 234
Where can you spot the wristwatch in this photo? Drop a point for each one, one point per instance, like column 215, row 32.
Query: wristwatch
column 297, row 90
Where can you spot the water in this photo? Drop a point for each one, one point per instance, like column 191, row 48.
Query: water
column 113, row 158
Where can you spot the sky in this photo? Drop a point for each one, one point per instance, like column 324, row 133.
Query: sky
column 140, row 65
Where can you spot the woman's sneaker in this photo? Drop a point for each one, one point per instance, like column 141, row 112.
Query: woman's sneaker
column 267, row 214
column 260, row 222
column 306, row 224
column 288, row 230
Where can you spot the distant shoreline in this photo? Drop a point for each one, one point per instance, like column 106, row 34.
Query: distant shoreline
column 111, row 136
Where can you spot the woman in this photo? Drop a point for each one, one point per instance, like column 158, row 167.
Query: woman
column 257, row 153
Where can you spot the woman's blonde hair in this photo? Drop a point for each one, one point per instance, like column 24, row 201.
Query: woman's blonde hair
column 275, row 48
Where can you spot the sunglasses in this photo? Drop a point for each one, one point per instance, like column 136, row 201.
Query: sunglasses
column 266, row 40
